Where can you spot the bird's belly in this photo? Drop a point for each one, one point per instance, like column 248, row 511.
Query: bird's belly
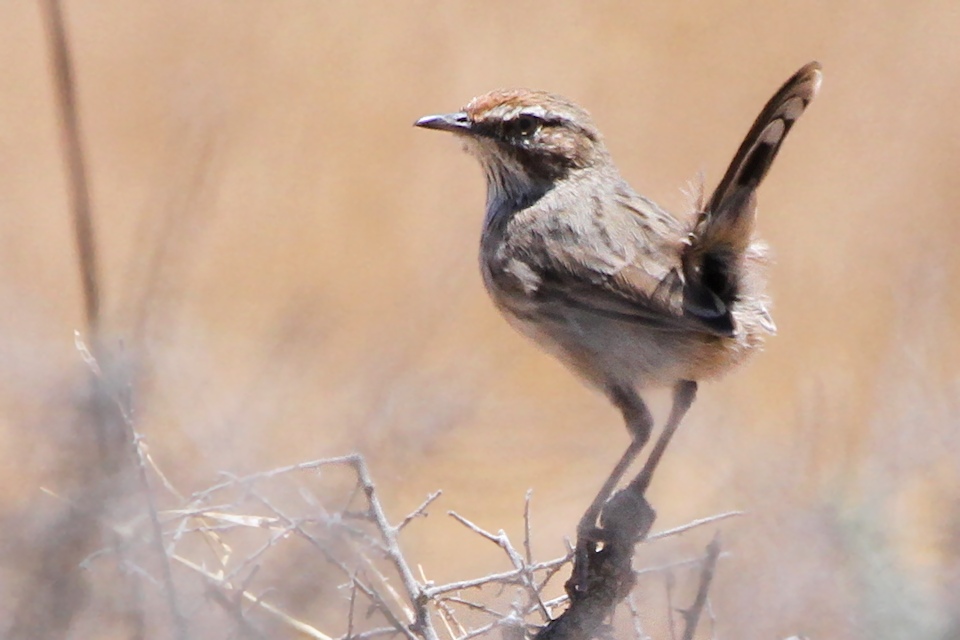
column 609, row 352
column 605, row 351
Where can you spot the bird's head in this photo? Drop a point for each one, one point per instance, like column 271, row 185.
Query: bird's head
column 525, row 140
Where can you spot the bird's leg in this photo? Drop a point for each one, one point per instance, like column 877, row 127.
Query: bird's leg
column 683, row 396
column 625, row 516
column 640, row 424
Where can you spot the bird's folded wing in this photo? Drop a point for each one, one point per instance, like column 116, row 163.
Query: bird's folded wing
column 654, row 307
column 638, row 284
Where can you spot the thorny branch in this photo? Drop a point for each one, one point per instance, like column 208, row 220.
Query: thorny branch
column 421, row 625
column 692, row 615
column 373, row 557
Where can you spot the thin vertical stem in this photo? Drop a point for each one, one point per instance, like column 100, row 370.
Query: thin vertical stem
column 76, row 165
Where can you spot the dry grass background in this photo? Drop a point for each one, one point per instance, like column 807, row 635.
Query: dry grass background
column 291, row 269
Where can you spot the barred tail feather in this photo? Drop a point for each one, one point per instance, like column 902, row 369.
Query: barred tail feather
column 713, row 262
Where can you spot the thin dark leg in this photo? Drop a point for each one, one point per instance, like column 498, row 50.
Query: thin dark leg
column 639, row 424
column 683, row 396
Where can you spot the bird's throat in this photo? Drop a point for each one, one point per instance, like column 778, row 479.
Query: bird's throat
column 509, row 192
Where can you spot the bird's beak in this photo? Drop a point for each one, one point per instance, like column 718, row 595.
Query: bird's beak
column 453, row 122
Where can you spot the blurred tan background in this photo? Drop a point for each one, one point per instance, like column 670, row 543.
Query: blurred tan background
column 291, row 269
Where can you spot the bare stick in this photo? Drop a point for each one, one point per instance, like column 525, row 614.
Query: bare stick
column 421, row 511
column 552, row 570
column 691, row 617
column 533, row 588
column 312, row 465
column 528, row 551
column 692, row 525
column 126, row 415
column 421, row 625
column 353, row 604
column 157, row 538
column 300, row 626
column 475, row 606
column 123, row 409
column 76, row 164
column 670, row 566
column 449, row 619
column 523, row 570
column 514, row 576
column 668, row 584
column 638, row 631
column 371, row 593
column 496, row 624
column 234, row 609
column 372, row 633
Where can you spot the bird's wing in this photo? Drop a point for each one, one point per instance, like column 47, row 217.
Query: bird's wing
column 626, row 264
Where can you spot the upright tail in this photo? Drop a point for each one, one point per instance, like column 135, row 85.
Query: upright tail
column 723, row 231
column 768, row 132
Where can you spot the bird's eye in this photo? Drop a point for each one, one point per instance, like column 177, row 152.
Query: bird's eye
column 521, row 126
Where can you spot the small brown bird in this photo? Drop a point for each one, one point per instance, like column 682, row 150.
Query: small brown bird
column 625, row 294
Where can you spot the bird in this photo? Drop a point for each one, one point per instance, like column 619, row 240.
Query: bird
column 629, row 296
